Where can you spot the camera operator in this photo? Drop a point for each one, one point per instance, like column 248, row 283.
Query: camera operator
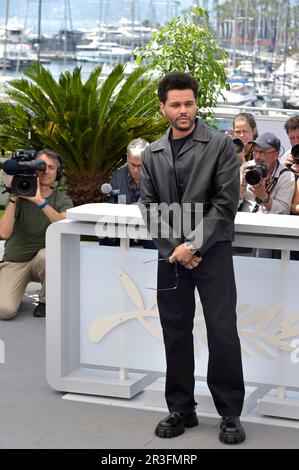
column 273, row 192
column 292, row 129
column 23, row 226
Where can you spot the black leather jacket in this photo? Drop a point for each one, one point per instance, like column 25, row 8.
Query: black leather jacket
column 206, row 171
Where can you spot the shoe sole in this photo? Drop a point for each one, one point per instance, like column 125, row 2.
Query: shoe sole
column 177, row 431
column 233, row 439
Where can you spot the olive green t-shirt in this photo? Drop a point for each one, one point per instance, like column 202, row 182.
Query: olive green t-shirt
column 29, row 231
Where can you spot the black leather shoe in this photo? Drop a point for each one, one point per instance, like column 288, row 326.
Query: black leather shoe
column 174, row 424
column 231, row 430
column 40, row 310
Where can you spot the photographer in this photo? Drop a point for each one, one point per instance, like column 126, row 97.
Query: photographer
column 292, row 129
column 23, row 226
column 273, row 191
column 245, row 129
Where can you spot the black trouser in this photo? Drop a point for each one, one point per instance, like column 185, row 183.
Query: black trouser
column 214, row 279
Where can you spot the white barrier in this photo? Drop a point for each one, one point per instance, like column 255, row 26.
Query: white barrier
column 103, row 330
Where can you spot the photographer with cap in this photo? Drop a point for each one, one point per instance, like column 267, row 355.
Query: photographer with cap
column 23, row 226
column 266, row 185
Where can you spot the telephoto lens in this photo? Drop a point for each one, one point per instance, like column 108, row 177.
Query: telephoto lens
column 295, row 153
column 255, row 174
column 239, row 146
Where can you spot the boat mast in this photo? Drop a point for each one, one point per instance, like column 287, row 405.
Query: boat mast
column 286, row 40
column 5, row 37
column 39, row 16
column 65, row 33
column 22, row 39
column 234, row 35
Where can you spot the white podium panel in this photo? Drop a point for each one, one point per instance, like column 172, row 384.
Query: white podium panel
column 119, row 318
column 103, row 331
column 120, row 324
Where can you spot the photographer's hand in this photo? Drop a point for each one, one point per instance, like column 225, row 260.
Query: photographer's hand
column 295, row 168
column 243, row 182
column 288, row 161
column 260, row 192
column 8, row 219
column 8, row 184
column 38, row 198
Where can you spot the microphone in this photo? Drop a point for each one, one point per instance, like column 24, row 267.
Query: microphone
column 11, row 167
column 106, row 189
column 14, row 167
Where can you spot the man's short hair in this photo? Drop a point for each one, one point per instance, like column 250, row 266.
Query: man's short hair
column 176, row 81
column 51, row 154
column 136, row 147
column 292, row 123
column 55, row 156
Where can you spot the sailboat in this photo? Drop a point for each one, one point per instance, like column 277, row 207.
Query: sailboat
column 15, row 51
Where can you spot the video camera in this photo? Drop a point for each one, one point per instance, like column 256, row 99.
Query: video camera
column 23, row 167
column 256, row 173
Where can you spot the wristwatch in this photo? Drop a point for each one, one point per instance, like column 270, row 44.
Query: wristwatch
column 263, row 200
column 190, row 247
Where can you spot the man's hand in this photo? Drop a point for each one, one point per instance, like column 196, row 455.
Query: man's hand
column 8, row 184
column 288, row 161
column 8, row 181
column 245, row 170
column 184, row 257
column 38, row 198
column 259, row 190
column 295, row 168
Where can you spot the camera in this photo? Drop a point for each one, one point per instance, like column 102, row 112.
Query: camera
column 295, row 153
column 239, row 146
column 23, row 167
column 256, row 173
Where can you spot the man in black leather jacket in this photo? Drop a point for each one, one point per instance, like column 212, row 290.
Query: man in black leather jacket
column 194, row 168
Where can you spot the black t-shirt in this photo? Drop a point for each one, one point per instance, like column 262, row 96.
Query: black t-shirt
column 176, row 146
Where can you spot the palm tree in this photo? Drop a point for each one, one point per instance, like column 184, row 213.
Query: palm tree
column 88, row 124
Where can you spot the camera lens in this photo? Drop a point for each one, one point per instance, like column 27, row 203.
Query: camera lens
column 295, row 153
column 24, row 185
column 255, row 175
column 238, row 145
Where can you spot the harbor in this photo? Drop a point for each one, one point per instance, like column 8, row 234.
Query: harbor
column 262, row 59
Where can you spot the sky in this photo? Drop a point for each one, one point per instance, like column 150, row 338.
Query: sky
column 84, row 13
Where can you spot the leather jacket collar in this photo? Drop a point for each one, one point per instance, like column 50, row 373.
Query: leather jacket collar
column 201, row 133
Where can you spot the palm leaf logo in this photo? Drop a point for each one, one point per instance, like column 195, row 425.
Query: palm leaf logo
column 254, row 327
column 104, row 325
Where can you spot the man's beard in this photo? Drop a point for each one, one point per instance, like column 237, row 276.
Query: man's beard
column 176, row 123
